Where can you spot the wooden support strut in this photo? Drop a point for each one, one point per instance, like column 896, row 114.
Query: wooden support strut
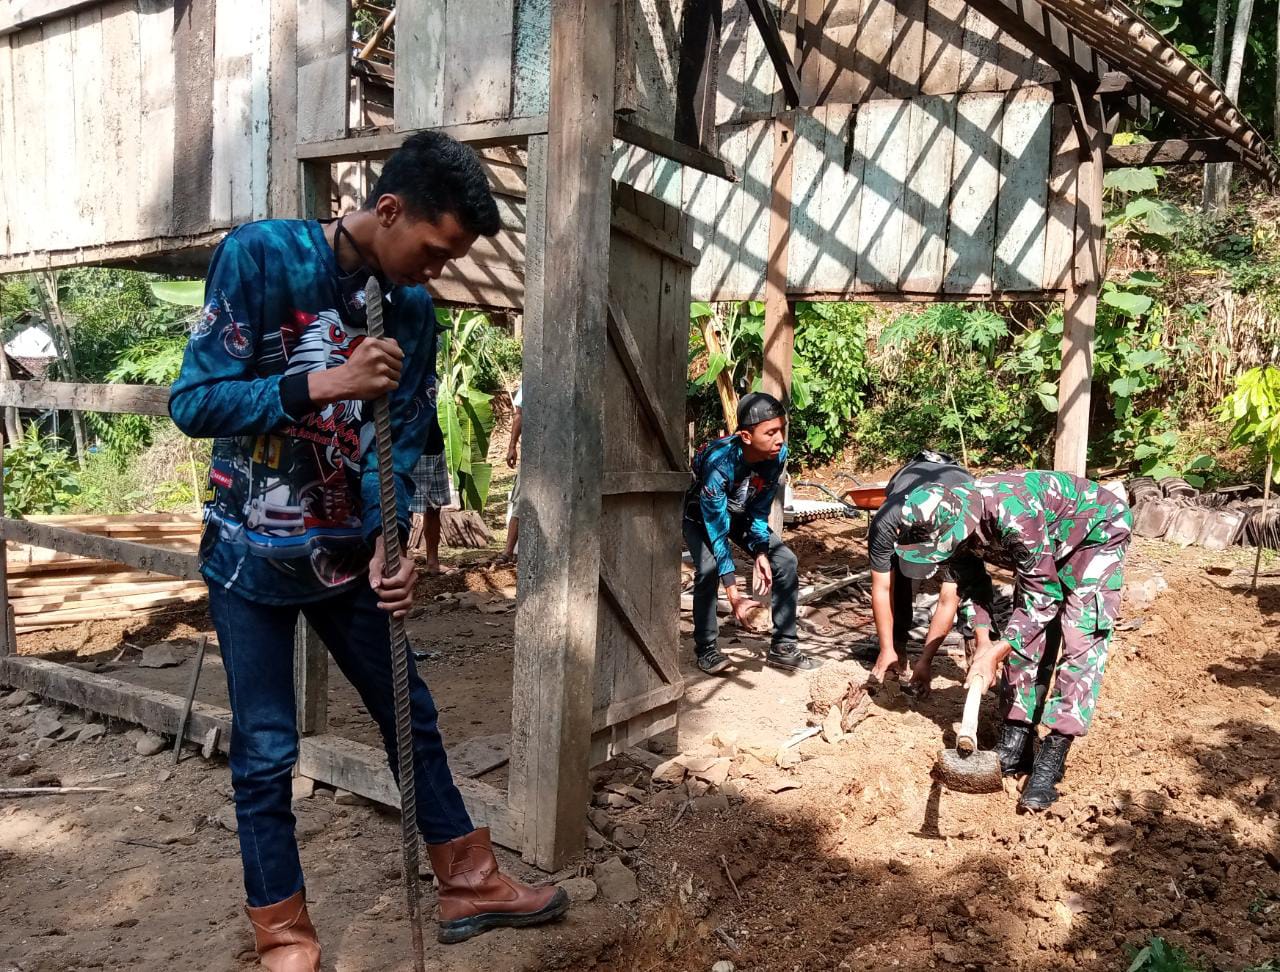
column 567, row 270
column 776, row 48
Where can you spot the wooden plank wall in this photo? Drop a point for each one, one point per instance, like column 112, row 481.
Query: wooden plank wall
column 640, row 541
column 462, row 61
column 937, row 194
column 101, row 165
column 152, row 124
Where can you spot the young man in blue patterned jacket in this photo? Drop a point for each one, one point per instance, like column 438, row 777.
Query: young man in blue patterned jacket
column 279, row 372
column 735, row 480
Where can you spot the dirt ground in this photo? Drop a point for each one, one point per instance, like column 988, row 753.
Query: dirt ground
column 849, row 859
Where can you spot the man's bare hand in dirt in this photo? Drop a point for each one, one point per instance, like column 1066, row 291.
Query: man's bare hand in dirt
column 513, row 456
column 373, row 370
column 919, row 681
column 763, row 582
column 986, row 663
column 395, row 594
column 886, row 666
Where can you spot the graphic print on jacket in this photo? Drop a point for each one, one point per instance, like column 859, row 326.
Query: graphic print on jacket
column 292, row 509
column 292, row 494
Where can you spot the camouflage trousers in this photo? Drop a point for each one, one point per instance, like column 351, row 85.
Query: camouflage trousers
column 1091, row 578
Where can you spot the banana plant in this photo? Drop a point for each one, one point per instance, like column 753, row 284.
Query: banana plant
column 464, row 411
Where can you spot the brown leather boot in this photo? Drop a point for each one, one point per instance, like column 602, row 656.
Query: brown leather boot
column 284, row 936
column 475, row 896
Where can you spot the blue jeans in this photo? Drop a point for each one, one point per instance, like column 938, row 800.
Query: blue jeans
column 706, row 584
column 256, row 641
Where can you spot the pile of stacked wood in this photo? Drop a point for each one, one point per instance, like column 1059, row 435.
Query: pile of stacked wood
column 51, row 589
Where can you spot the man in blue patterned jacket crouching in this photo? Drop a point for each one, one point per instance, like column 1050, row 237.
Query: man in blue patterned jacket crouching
column 735, row 480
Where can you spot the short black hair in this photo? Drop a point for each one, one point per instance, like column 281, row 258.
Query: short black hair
column 435, row 174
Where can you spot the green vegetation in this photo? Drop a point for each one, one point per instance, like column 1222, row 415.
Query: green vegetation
column 472, row 358
column 1160, row 956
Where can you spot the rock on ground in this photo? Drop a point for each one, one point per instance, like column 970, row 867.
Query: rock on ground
column 150, row 743
column 616, row 881
column 159, row 656
column 580, row 889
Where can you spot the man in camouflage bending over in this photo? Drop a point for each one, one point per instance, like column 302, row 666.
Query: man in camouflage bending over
column 1065, row 539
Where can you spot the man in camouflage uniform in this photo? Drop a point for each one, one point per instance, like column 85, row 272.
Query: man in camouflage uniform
column 1065, row 539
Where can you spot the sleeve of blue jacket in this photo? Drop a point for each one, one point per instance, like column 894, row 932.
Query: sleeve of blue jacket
column 411, row 418
column 759, row 507
column 218, row 393
column 714, row 503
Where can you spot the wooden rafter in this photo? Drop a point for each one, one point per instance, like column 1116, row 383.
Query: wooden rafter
column 777, row 50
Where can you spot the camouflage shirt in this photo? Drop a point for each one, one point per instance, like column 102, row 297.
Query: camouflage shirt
column 1030, row 523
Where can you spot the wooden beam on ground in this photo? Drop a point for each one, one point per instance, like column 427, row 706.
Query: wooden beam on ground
column 81, row 397
column 1071, row 442
column 175, row 563
column 326, row 758
column 566, row 328
column 668, row 147
column 372, row 145
column 349, row 765
column 776, row 48
column 104, row 695
column 1171, row 151
column 8, row 638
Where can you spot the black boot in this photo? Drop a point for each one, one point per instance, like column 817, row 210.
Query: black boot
column 1040, row 791
column 1014, row 749
column 712, row 661
column 790, row 657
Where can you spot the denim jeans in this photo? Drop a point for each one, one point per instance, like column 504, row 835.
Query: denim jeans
column 706, row 584
column 256, row 642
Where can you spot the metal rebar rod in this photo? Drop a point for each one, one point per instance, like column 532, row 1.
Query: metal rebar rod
column 399, row 641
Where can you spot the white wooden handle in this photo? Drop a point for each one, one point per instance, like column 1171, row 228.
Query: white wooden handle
column 967, row 737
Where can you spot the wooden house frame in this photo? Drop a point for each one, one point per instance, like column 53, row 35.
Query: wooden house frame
column 643, row 152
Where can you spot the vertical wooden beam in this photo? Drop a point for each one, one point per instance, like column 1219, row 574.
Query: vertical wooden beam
column 8, row 640
column 282, row 184
column 1071, row 443
column 565, row 335
column 310, row 679
column 779, row 313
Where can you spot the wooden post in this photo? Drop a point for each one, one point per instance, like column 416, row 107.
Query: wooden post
column 8, row 639
column 1266, row 501
column 779, row 313
column 566, row 279
column 310, row 679
column 1071, row 443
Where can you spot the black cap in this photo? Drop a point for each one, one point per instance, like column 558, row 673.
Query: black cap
column 758, row 407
